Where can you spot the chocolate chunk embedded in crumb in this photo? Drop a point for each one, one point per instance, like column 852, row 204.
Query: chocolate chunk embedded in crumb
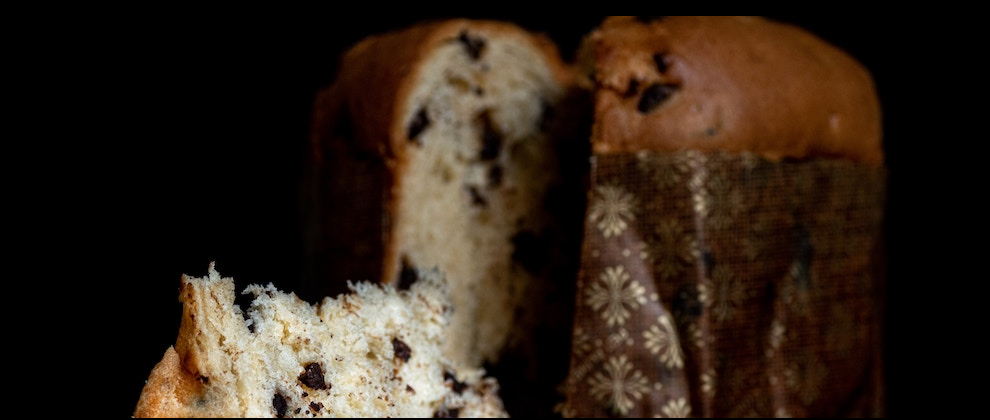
column 419, row 123
column 491, row 140
column 316, row 406
column 313, row 377
column 654, row 96
column 407, row 274
column 472, row 44
column 455, row 385
column 401, row 349
column 495, row 176
column 476, row 198
column 663, row 64
column 632, row 89
column 280, row 406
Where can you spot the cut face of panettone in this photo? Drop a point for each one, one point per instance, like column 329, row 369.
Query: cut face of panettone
column 373, row 352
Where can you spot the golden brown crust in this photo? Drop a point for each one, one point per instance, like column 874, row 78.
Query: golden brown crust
column 360, row 113
column 179, row 380
column 373, row 93
column 170, row 389
column 734, row 84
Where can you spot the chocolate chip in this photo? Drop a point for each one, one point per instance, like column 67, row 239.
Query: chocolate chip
column 476, row 198
column 313, row 377
column 316, row 406
column 410, row 389
column 401, row 349
column 491, row 140
column 662, row 63
column 632, row 89
column 472, row 44
column 455, row 385
column 530, row 250
column 655, row 95
column 447, row 413
column 280, row 406
column 407, row 274
column 495, row 176
column 419, row 123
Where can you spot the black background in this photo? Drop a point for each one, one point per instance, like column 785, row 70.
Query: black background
column 194, row 133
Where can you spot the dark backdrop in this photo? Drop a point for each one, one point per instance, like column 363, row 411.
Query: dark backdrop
column 197, row 159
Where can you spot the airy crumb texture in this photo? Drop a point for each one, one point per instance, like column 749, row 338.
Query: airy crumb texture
column 373, row 352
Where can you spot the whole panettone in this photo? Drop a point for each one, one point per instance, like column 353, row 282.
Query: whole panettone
column 732, row 259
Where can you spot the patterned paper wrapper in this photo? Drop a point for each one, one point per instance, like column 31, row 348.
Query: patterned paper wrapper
column 727, row 285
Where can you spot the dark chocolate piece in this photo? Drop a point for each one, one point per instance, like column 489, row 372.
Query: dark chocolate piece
column 419, row 123
column 491, row 140
column 455, row 385
column 632, row 89
column 655, row 95
column 313, row 377
column 476, row 197
column 316, row 406
column 280, row 406
column 495, row 176
column 472, row 44
column 407, row 274
column 662, row 63
column 401, row 349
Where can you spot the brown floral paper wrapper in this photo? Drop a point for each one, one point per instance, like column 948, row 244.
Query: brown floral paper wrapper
column 726, row 285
